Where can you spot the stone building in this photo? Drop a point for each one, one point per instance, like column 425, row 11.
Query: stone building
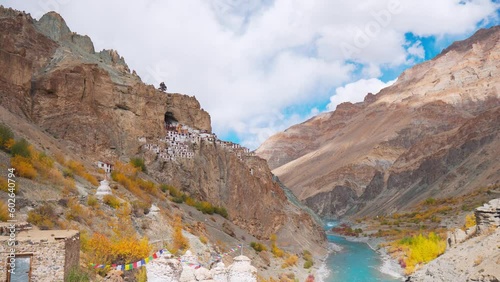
column 41, row 255
column 107, row 167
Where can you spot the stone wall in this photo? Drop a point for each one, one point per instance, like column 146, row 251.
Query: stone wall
column 53, row 253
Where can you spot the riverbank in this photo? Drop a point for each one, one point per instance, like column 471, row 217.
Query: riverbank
column 390, row 266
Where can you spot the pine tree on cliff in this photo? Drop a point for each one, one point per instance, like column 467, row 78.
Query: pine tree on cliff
column 162, row 87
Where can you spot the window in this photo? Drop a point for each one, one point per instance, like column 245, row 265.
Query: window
column 22, row 271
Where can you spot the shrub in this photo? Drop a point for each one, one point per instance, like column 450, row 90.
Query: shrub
column 68, row 173
column 140, row 208
column 76, row 212
column 77, row 274
column 191, row 202
column 179, row 242
column 205, row 207
column 24, row 167
column 92, row 201
column 421, row 249
column 430, row 201
column 470, row 220
column 258, row 247
column 138, row 163
column 21, row 148
column 126, row 175
column 141, row 275
column 6, row 136
column 4, row 184
column 221, row 211
column 102, row 249
column 277, row 252
column 308, row 259
column 91, row 179
column 172, row 191
column 178, row 200
column 4, row 212
column 291, row 260
column 308, row 264
column 44, row 217
column 111, row 201
column 79, row 169
column 203, row 239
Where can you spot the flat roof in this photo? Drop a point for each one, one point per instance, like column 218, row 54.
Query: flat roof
column 39, row 235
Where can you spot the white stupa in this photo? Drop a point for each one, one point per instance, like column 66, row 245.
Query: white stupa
column 242, row 270
column 103, row 189
column 154, row 210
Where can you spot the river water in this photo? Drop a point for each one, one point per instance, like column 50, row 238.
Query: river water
column 356, row 261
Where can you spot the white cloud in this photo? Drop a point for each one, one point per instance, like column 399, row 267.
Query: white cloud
column 356, row 91
column 416, row 49
column 248, row 61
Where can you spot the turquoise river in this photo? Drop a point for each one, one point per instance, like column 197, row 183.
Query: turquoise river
column 356, row 261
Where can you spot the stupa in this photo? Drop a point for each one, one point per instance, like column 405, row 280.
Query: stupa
column 103, row 189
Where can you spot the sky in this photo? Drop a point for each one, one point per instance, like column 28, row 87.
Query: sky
column 260, row 66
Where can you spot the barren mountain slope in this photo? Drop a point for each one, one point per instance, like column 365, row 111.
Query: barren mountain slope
column 440, row 110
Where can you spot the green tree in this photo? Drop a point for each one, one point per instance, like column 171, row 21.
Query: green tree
column 21, row 148
column 5, row 135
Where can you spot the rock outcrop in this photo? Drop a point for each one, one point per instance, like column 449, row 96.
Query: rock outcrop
column 434, row 133
column 488, row 215
column 458, row 236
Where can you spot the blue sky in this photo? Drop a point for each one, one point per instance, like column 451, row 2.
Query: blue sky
column 260, row 66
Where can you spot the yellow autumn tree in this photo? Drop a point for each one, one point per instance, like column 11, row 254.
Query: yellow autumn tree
column 179, row 242
column 23, row 167
column 277, row 252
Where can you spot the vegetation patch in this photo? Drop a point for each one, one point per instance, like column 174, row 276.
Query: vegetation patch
column 44, row 217
column 111, row 201
column 420, row 249
column 309, row 262
column 258, row 247
column 291, row 260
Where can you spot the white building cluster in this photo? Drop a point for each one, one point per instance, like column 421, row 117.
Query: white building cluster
column 180, row 139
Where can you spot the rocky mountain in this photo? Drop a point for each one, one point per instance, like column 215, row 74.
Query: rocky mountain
column 63, row 96
column 433, row 133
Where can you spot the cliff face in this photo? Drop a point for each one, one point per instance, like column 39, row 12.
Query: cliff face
column 91, row 100
column 97, row 108
column 433, row 133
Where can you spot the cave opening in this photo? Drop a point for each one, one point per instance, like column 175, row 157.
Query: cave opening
column 170, row 121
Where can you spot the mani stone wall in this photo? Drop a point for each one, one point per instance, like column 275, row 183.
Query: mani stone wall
column 53, row 253
column 488, row 215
